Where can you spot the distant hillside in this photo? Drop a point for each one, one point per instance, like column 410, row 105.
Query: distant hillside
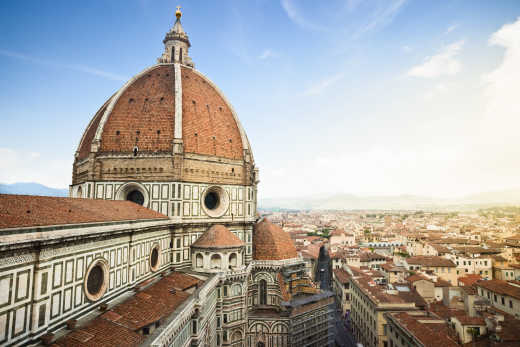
column 32, row 189
column 398, row 202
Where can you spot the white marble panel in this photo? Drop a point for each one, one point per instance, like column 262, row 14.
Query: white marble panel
column 79, row 268
column 57, row 275
column 22, row 285
column 69, row 271
column 99, row 188
column 55, row 309
column 155, row 191
column 108, row 192
column 19, row 323
column 3, row 322
column 79, row 296
column 67, row 301
column 164, row 191
column 5, row 283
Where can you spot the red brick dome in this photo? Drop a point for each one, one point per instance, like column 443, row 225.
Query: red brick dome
column 218, row 236
column 270, row 242
column 160, row 105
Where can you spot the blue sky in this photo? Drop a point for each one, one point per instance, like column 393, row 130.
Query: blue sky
column 364, row 97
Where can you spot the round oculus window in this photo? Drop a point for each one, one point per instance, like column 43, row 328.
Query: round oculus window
column 96, row 280
column 215, row 201
column 154, row 258
column 136, row 197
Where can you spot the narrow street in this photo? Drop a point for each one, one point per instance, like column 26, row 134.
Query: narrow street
column 323, row 275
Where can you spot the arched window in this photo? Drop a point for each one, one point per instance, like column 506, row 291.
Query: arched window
column 216, row 261
column 79, row 193
column 233, row 260
column 263, row 292
column 173, row 54
column 260, row 344
column 180, row 56
column 199, row 260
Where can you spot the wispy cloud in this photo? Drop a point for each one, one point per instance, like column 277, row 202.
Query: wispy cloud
column 268, row 53
column 74, row 67
column 451, row 28
column 295, row 15
column 382, row 16
column 406, row 49
column 443, row 63
column 320, row 86
column 502, row 84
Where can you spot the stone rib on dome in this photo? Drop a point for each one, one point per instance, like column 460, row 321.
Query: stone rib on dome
column 270, row 242
column 218, row 236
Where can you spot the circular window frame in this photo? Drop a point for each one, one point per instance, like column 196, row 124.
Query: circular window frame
column 158, row 265
column 104, row 286
column 127, row 188
column 222, row 205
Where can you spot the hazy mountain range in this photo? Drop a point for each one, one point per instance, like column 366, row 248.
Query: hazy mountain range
column 336, row 201
column 31, row 188
column 397, row 202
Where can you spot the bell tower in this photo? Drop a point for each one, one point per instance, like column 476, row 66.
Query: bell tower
column 176, row 44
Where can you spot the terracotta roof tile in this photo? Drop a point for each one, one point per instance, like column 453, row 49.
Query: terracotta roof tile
column 17, row 211
column 218, row 236
column 500, row 287
column 270, row 242
column 430, row 261
column 428, row 330
column 342, row 275
column 119, row 326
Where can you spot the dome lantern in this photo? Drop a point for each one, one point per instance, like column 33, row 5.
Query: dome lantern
column 176, row 44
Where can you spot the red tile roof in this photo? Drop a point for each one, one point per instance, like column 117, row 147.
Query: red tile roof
column 342, row 275
column 218, row 236
column 469, row 279
column 17, row 211
column 270, row 242
column 101, row 332
column 428, row 330
column 500, row 287
column 430, row 261
column 119, row 326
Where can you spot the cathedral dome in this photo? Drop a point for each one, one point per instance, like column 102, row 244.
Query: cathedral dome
column 169, row 123
column 161, row 104
column 270, row 242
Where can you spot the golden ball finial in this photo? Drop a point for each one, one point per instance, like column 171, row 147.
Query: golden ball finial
column 178, row 13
